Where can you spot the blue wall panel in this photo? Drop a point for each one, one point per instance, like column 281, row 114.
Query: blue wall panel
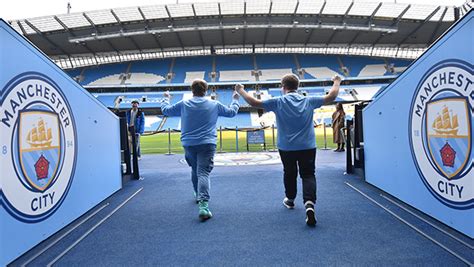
column 75, row 170
column 404, row 143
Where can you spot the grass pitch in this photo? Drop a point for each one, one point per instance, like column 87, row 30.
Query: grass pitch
column 158, row 143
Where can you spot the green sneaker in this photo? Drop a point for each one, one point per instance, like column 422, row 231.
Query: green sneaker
column 204, row 212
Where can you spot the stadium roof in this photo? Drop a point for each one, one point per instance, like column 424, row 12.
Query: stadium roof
column 264, row 26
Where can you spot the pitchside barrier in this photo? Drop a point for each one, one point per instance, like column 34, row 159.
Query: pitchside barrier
column 59, row 147
column 167, row 141
column 418, row 132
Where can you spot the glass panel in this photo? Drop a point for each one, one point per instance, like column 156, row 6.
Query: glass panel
column 258, row 7
column 27, row 28
column 128, row 14
column 15, row 26
column 419, row 12
column 283, row 6
column 101, row 17
column 45, row 24
column 449, row 16
column 363, row 8
column 231, row 8
column 336, row 7
column 390, row 10
column 206, row 9
column 154, row 12
column 74, row 20
column 309, row 6
column 181, row 10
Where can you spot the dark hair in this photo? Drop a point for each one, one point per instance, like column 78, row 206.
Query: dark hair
column 290, row 82
column 199, row 87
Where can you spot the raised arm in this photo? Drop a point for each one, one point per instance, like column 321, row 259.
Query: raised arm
column 331, row 96
column 247, row 97
column 233, row 108
column 170, row 110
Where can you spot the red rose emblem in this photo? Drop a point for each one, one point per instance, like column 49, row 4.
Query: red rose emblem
column 448, row 155
column 41, row 168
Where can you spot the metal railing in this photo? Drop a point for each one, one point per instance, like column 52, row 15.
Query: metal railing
column 229, row 139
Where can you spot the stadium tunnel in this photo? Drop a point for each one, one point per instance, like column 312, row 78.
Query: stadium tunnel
column 79, row 172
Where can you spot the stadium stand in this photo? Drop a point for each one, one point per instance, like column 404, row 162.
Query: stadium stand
column 236, row 75
column 104, row 74
column 144, row 78
column 373, row 70
column 193, row 75
column 316, row 66
column 152, row 123
column 241, row 120
column 185, row 68
column 173, row 123
column 355, row 65
column 235, row 68
column 273, row 74
column 273, row 61
column 74, row 73
column 154, row 71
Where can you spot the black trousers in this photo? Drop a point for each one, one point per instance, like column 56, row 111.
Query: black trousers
column 305, row 161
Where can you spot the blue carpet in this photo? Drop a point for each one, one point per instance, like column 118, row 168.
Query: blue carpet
column 160, row 225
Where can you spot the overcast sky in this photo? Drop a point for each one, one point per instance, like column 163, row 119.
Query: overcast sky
column 20, row 9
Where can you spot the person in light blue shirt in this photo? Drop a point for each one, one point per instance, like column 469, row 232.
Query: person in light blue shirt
column 296, row 141
column 199, row 136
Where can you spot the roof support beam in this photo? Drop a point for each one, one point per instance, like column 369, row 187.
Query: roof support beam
column 97, row 31
column 347, row 12
column 318, row 21
column 147, row 25
column 368, row 23
column 269, row 24
column 294, row 19
column 122, row 30
column 286, row 37
column 331, row 37
column 221, row 28
column 21, row 28
column 66, row 28
column 244, row 41
column 438, row 25
column 419, row 26
column 49, row 41
column 171, row 27
column 371, row 19
column 395, row 23
column 201, row 39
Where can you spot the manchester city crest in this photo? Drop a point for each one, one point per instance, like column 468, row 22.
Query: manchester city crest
column 441, row 132
column 38, row 138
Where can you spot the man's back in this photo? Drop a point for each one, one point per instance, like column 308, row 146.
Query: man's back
column 294, row 116
column 199, row 118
